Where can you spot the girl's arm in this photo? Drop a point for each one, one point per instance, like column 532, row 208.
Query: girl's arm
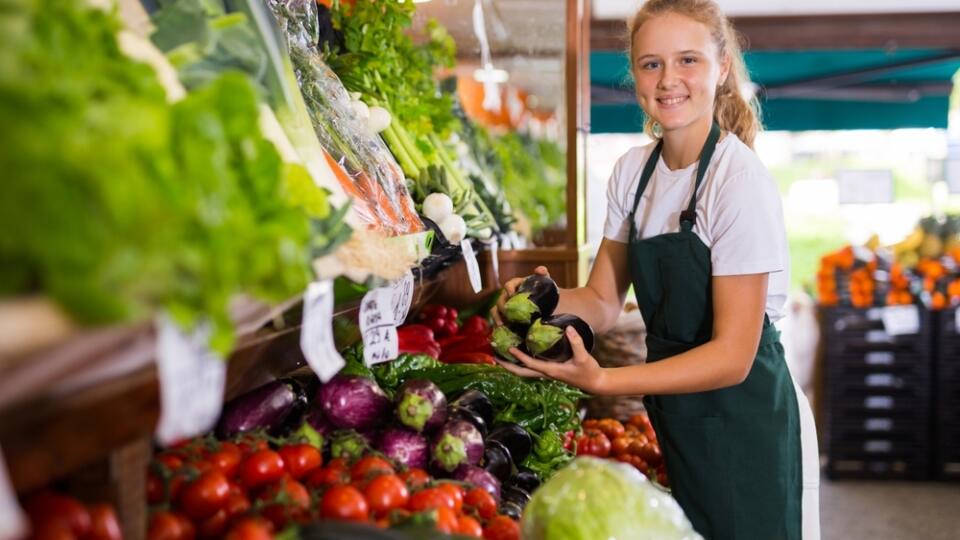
column 738, row 302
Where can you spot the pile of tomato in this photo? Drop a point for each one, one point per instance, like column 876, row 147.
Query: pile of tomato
column 57, row 516
column 247, row 490
column 633, row 442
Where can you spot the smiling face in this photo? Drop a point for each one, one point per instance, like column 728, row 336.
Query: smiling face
column 677, row 68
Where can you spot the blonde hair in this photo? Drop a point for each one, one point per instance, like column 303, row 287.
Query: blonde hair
column 731, row 111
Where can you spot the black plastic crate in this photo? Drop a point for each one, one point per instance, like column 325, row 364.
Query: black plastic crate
column 877, row 362
column 947, row 462
column 887, row 404
column 869, row 425
column 859, row 331
column 906, row 467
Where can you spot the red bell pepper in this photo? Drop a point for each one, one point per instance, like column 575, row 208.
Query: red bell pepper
column 466, row 343
column 417, row 339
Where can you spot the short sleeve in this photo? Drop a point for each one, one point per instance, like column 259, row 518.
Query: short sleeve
column 747, row 229
column 617, row 226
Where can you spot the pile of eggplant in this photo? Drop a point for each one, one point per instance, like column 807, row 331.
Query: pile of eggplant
column 532, row 326
column 351, row 415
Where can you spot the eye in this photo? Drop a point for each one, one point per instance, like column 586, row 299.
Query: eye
column 653, row 64
column 687, row 60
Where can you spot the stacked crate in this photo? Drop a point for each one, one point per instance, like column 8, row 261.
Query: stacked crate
column 878, row 384
column 947, row 411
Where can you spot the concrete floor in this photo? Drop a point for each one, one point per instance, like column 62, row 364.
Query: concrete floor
column 855, row 510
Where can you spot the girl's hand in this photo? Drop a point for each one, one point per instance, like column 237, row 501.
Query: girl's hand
column 582, row 370
column 509, row 288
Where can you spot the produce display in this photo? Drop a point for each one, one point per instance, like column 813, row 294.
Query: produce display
column 633, row 442
column 924, row 268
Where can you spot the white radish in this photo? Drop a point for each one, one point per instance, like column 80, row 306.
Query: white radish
column 379, row 119
column 360, row 110
column 437, row 206
column 453, row 228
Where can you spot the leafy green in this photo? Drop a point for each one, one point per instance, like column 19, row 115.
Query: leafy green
column 390, row 375
column 117, row 203
column 575, row 505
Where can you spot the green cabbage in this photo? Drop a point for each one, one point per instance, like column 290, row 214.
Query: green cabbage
column 575, row 505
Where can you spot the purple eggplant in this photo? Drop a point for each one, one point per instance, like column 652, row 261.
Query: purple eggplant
column 502, row 340
column 525, row 479
column 318, row 422
column 479, row 478
column 546, row 339
column 478, row 402
column 266, row 407
column 496, row 460
column 458, row 443
column 516, row 440
column 462, row 413
column 353, row 402
column 537, row 296
column 404, row 446
column 421, row 406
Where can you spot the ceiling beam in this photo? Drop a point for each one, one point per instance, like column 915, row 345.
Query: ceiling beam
column 861, row 31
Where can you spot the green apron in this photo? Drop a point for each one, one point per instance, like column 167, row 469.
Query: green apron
column 733, row 454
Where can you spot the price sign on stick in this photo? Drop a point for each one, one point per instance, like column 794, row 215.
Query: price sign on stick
column 401, row 296
column 380, row 343
column 473, row 267
column 13, row 524
column 192, row 380
column 316, row 334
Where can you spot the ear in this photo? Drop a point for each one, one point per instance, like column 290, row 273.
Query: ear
column 725, row 64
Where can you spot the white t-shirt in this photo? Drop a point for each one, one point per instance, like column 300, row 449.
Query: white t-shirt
column 739, row 213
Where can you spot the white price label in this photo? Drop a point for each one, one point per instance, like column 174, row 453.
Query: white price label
column 956, row 320
column 13, row 524
column 401, row 296
column 316, row 333
column 901, row 320
column 473, row 267
column 495, row 261
column 192, row 380
column 380, row 343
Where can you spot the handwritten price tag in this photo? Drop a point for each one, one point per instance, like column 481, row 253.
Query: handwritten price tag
column 380, row 343
column 316, row 334
column 901, row 320
column 13, row 524
column 401, row 296
column 473, row 267
column 495, row 260
column 192, row 380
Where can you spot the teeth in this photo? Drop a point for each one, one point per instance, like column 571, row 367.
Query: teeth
column 672, row 101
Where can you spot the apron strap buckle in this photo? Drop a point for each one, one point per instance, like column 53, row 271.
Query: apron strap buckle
column 689, row 216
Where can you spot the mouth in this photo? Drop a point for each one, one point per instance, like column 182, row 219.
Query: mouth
column 672, row 101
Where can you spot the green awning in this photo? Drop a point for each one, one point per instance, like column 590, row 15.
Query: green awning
column 809, row 90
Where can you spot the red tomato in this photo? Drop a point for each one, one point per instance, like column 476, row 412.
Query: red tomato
column 227, row 458
column 170, row 526
column 47, row 506
column 51, row 530
column 415, row 478
column 502, row 528
column 155, row 489
column 202, row 498
column 482, row 502
column 214, row 526
column 300, row 459
column 328, row 476
column 237, row 503
column 611, row 428
column 260, row 468
column 620, row 446
column 456, row 493
column 446, row 520
column 104, row 524
column 593, row 443
column 284, row 501
column 251, row 528
column 370, row 466
column 171, row 462
column 429, row 499
column 346, row 503
column 468, row 526
column 386, row 492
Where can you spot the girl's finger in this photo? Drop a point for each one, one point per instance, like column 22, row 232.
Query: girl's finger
column 519, row 371
column 547, row 368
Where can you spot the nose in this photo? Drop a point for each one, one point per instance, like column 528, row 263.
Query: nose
column 667, row 77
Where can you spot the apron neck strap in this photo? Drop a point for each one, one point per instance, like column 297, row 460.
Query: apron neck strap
column 644, row 180
column 689, row 216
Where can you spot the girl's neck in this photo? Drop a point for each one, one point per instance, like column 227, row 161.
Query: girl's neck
column 681, row 147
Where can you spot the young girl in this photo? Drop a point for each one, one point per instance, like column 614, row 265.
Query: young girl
column 695, row 224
